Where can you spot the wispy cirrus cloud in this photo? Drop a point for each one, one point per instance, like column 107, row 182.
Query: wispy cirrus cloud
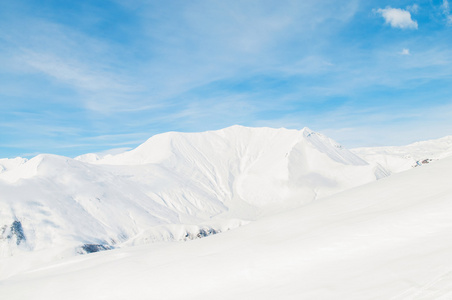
column 377, row 132
column 413, row 8
column 72, row 72
column 445, row 7
column 70, row 60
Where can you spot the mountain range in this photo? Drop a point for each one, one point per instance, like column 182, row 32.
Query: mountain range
column 184, row 186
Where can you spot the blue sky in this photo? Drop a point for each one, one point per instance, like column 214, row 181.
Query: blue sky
column 86, row 76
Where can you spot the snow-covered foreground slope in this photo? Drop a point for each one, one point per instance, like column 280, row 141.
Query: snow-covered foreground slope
column 175, row 186
column 389, row 239
column 401, row 158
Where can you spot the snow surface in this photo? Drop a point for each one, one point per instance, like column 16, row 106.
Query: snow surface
column 389, row 239
column 7, row 164
column 401, row 158
column 360, row 239
column 175, row 186
column 92, row 157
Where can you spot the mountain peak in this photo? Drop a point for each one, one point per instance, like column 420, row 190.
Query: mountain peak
column 236, row 173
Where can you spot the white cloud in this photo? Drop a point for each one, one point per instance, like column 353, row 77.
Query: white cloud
column 446, row 11
column 398, row 18
column 446, row 6
column 413, row 8
column 405, row 51
column 71, row 72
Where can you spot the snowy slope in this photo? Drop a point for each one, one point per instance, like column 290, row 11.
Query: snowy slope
column 9, row 164
column 397, row 159
column 259, row 166
column 389, row 239
column 175, row 186
column 92, row 157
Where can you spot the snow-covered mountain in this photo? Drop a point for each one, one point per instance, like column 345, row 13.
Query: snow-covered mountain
column 175, row 186
column 388, row 239
column 9, row 164
column 401, row 158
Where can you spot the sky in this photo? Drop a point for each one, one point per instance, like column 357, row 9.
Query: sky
column 87, row 76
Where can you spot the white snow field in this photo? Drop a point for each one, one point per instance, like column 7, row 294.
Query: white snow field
column 175, row 186
column 401, row 158
column 359, row 239
column 389, row 239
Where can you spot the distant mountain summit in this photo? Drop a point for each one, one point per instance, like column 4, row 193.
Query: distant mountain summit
column 258, row 166
column 401, row 158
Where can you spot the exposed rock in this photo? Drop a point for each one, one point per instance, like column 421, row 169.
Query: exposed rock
column 203, row 232
column 92, row 248
column 14, row 230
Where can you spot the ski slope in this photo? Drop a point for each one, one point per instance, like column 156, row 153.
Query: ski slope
column 389, row 239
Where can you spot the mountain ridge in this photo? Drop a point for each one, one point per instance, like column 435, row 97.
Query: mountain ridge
column 386, row 239
column 401, row 158
column 176, row 185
